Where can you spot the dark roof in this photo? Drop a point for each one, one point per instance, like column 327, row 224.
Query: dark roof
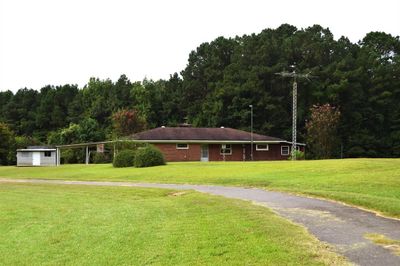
column 204, row 134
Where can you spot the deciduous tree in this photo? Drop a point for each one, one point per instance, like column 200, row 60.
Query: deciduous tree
column 322, row 130
column 127, row 122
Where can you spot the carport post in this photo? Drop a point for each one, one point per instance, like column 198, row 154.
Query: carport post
column 87, row 155
column 58, row 154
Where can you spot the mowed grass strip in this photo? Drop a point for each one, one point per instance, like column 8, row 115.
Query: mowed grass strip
column 370, row 183
column 80, row 225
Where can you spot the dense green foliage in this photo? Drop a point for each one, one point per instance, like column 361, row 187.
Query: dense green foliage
column 148, row 156
column 7, row 145
column 299, row 155
column 224, row 76
column 86, row 130
column 81, row 225
column 124, row 158
column 72, row 156
column 371, row 183
column 101, row 157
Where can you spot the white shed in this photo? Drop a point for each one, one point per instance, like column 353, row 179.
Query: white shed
column 37, row 156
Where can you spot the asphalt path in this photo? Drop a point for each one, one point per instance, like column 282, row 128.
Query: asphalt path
column 343, row 227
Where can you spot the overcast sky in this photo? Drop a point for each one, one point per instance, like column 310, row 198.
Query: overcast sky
column 68, row 41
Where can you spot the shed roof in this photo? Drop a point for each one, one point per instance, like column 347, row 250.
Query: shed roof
column 201, row 134
column 36, row 149
column 40, row 147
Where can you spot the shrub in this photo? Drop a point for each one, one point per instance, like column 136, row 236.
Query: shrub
column 101, row 157
column 124, row 158
column 149, row 156
column 299, row 155
column 69, row 156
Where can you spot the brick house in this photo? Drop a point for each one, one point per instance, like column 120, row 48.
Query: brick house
column 214, row 144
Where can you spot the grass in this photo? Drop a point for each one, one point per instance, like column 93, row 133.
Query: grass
column 80, row 225
column 385, row 242
column 369, row 183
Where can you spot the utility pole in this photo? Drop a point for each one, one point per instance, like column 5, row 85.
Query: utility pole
column 294, row 75
column 251, row 134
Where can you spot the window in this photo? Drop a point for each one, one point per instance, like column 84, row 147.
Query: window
column 226, row 149
column 261, row 147
column 285, row 150
column 182, row 146
column 47, row 154
column 25, row 154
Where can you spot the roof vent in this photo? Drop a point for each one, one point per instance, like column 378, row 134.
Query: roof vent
column 222, row 127
column 185, row 125
column 162, row 126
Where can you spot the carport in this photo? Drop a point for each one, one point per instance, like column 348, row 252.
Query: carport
column 99, row 145
column 99, row 148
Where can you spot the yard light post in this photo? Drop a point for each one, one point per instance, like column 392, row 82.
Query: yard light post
column 251, row 131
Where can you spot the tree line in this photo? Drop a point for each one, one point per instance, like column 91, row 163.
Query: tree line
column 222, row 78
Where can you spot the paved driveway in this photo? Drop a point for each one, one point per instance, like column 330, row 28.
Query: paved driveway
column 341, row 226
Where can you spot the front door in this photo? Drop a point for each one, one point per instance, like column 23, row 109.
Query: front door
column 36, row 158
column 204, row 153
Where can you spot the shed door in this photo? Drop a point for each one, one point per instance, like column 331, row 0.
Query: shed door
column 35, row 158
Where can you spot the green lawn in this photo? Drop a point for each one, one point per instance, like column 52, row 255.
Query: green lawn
column 80, row 225
column 369, row 183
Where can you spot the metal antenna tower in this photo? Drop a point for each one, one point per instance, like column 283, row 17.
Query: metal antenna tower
column 295, row 76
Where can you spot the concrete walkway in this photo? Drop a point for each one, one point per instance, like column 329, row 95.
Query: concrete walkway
column 339, row 225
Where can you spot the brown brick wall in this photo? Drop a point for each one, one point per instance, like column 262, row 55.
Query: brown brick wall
column 215, row 153
column 273, row 153
column 172, row 154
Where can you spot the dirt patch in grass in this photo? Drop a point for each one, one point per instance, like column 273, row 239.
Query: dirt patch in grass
column 381, row 240
column 177, row 193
